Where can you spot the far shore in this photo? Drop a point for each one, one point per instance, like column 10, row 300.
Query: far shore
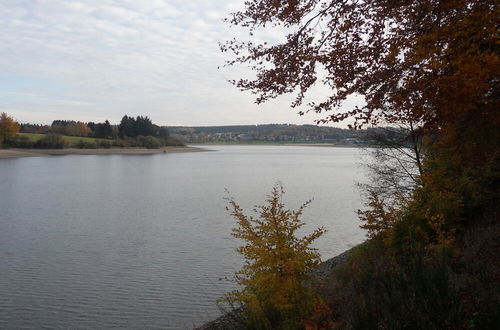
column 16, row 153
column 328, row 145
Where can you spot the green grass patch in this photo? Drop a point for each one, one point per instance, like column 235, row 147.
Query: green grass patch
column 71, row 139
column 32, row 136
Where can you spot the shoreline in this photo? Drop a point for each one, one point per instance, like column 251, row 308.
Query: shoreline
column 19, row 153
column 229, row 318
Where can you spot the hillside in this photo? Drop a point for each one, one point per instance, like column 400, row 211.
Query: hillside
column 273, row 133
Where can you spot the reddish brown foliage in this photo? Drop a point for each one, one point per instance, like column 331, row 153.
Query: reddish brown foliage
column 424, row 61
column 8, row 127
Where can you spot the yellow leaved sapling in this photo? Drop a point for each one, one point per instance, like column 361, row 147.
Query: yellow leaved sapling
column 276, row 285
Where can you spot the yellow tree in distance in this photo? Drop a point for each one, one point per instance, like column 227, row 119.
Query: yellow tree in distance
column 8, row 127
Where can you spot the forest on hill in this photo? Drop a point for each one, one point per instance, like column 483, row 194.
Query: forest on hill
column 280, row 133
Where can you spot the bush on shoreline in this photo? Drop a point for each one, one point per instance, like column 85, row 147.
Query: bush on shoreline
column 276, row 282
column 22, row 142
column 52, row 141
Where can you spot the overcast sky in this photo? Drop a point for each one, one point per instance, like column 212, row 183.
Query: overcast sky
column 95, row 60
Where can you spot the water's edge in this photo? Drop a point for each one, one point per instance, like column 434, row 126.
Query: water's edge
column 228, row 319
column 18, row 153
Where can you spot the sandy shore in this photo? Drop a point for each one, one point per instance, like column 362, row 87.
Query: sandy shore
column 16, row 153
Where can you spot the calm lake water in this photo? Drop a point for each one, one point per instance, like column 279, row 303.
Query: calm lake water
column 128, row 241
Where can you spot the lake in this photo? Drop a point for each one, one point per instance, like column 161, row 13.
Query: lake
column 124, row 241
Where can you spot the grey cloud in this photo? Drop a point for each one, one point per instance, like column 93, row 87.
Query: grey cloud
column 152, row 57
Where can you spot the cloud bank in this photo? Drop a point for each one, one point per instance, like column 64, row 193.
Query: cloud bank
column 96, row 60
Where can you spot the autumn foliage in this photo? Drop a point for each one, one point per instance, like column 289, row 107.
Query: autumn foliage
column 422, row 61
column 276, row 283
column 8, row 127
column 433, row 66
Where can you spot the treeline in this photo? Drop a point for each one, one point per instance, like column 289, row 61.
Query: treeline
column 34, row 128
column 133, row 127
column 271, row 130
column 103, row 130
column 128, row 127
column 281, row 133
column 141, row 132
column 73, row 128
column 131, row 132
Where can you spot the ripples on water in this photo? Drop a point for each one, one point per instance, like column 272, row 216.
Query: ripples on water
column 140, row 241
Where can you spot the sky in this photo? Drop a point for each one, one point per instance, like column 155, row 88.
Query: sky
column 97, row 60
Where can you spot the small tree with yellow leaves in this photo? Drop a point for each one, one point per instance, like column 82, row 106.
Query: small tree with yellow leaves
column 8, row 128
column 276, row 284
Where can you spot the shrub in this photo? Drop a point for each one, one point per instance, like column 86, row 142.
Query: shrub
column 149, row 142
column 51, row 141
column 21, row 141
column 276, row 279
column 120, row 143
column 410, row 285
column 86, row 144
column 140, row 141
column 104, row 144
column 175, row 141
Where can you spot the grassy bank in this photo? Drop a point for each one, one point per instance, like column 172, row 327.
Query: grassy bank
column 33, row 137
column 58, row 141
